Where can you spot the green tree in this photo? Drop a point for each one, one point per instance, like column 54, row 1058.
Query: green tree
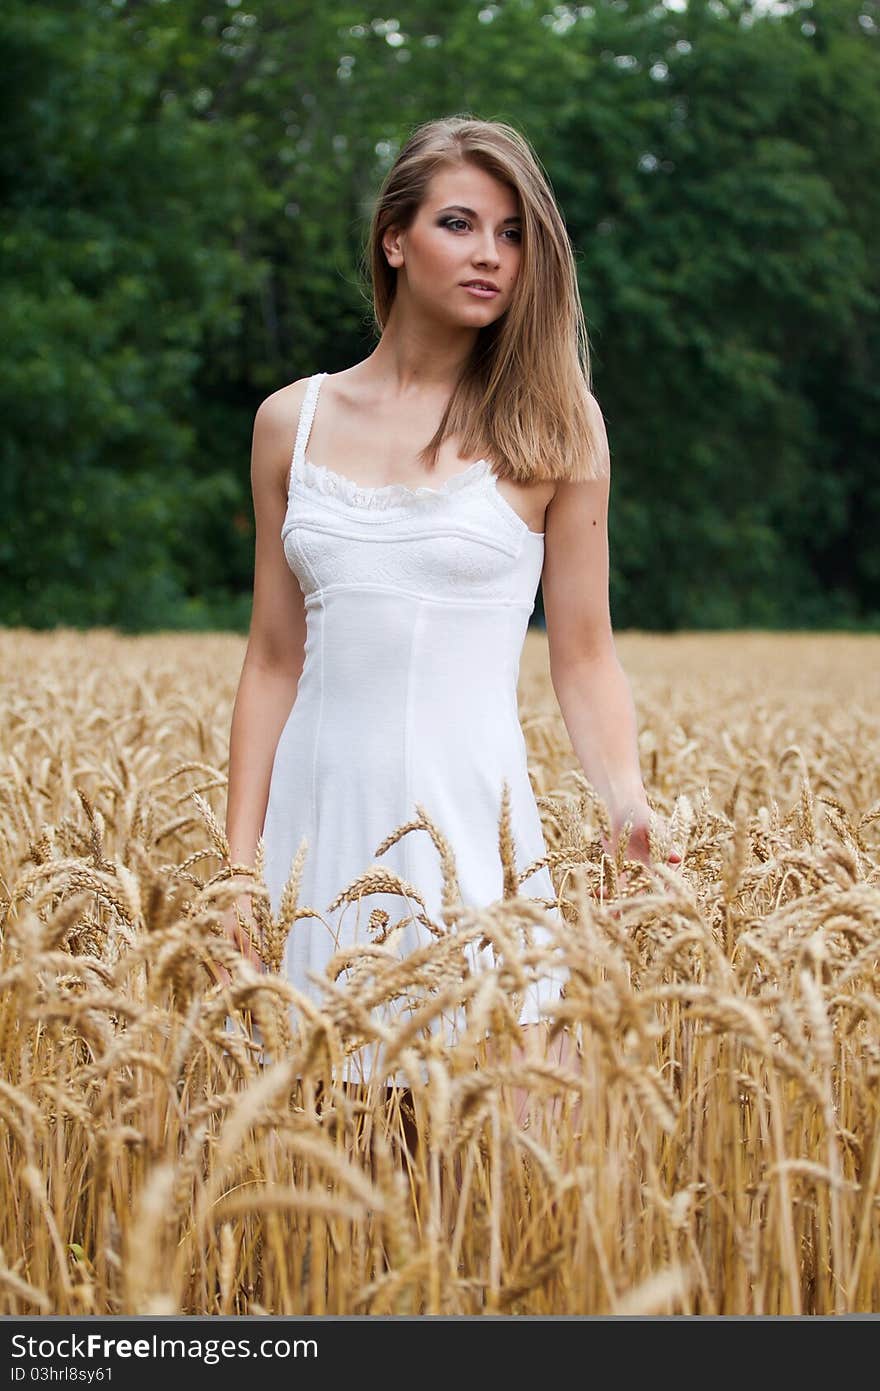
column 188, row 188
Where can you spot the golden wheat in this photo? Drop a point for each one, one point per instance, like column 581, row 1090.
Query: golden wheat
column 695, row 1129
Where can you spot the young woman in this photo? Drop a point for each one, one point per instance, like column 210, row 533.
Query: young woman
column 406, row 508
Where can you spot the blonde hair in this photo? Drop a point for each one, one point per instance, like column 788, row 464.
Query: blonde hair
column 524, row 396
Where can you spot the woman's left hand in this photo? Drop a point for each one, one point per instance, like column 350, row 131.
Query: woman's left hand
column 638, row 846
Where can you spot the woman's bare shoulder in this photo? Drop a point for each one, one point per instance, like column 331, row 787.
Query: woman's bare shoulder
column 279, row 406
column 275, row 426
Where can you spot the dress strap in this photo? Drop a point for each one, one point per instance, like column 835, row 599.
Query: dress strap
column 306, row 416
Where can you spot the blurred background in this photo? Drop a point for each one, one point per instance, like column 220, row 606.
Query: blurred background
column 187, row 187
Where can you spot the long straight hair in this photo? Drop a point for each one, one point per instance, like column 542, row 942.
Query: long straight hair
column 524, row 396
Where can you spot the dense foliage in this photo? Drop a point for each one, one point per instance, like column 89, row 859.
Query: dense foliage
column 186, row 191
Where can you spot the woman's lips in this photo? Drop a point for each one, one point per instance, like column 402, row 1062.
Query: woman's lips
column 480, row 291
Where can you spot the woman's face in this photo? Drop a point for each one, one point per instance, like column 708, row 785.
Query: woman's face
column 467, row 228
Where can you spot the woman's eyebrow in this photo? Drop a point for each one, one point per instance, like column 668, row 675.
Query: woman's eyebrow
column 459, row 207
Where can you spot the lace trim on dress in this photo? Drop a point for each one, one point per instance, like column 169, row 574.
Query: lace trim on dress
column 390, row 494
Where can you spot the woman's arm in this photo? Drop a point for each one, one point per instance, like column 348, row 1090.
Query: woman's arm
column 591, row 686
column 275, row 650
column 597, row 706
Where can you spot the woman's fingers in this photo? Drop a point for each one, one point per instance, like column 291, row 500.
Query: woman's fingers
column 239, row 934
column 639, row 847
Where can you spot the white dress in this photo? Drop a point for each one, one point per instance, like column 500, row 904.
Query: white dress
column 417, row 603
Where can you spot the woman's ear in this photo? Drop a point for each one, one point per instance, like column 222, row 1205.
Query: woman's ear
column 392, row 245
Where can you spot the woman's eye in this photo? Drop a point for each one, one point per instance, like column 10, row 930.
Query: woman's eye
column 460, row 222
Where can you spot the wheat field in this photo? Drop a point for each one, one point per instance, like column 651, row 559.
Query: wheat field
column 701, row 1131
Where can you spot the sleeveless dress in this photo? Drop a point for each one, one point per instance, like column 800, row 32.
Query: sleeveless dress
column 417, row 603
